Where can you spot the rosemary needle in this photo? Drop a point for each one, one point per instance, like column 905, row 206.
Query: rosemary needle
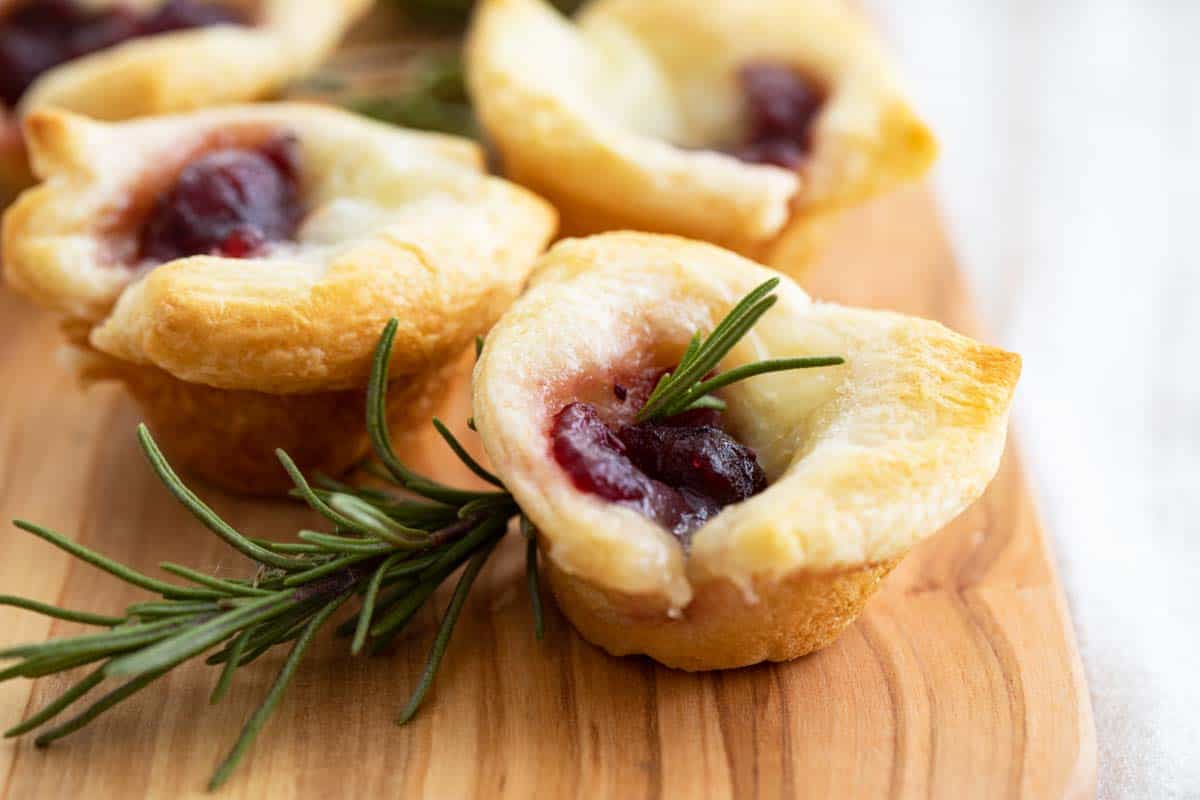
column 85, row 617
column 386, row 546
column 264, row 711
column 531, row 577
column 686, row 389
column 231, row 664
column 363, row 625
column 445, row 630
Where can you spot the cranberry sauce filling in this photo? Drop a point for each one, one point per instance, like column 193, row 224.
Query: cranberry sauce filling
column 230, row 202
column 45, row 33
column 781, row 104
column 680, row 472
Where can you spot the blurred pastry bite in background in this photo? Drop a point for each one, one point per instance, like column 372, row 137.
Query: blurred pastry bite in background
column 734, row 123
column 118, row 59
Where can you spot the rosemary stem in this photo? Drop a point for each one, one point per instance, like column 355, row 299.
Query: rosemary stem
column 328, row 568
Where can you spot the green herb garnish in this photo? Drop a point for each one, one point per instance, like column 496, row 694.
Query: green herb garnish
column 390, row 549
column 686, row 389
column 434, row 98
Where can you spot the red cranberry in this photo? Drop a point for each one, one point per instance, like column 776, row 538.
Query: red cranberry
column 45, row 33
column 781, row 104
column 593, row 455
column 702, row 458
column 676, row 474
column 230, row 202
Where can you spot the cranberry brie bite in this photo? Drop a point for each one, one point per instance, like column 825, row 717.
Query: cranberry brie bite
column 117, row 59
column 754, row 526
column 234, row 267
column 729, row 122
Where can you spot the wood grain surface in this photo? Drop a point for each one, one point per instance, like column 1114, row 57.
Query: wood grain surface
column 961, row 680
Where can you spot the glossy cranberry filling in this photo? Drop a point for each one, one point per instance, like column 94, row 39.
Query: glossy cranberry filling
column 230, row 202
column 679, row 472
column 781, row 105
column 45, row 33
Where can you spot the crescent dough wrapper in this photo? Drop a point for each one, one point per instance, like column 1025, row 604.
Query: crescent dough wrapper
column 398, row 223
column 864, row 460
column 618, row 118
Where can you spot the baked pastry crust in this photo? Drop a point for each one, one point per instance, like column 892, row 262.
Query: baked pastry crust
column 608, row 117
column 865, row 459
column 232, row 358
column 229, row 437
column 181, row 70
column 399, row 223
column 184, row 70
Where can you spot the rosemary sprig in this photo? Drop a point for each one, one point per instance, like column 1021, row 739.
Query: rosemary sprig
column 390, row 547
column 433, row 98
column 686, row 389
column 394, row 549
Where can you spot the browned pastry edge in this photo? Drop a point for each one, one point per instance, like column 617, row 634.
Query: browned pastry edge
column 720, row 628
column 229, row 437
column 792, row 251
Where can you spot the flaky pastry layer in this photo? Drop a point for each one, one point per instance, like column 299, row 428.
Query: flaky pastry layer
column 617, row 119
column 865, row 459
column 399, row 223
column 188, row 69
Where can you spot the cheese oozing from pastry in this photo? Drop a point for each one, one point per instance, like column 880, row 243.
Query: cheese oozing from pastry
column 231, row 202
column 42, row 34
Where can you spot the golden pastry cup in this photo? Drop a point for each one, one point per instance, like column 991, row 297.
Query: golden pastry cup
column 789, row 618
column 864, row 459
column 229, row 437
column 619, row 117
column 233, row 358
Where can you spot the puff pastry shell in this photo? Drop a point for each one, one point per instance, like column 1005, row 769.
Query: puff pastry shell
column 865, row 459
column 399, row 223
column 611, row 118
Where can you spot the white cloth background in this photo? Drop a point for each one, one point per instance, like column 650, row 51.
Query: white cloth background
column 1070, row 179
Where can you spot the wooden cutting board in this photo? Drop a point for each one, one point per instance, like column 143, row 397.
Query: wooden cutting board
column 962, row 679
